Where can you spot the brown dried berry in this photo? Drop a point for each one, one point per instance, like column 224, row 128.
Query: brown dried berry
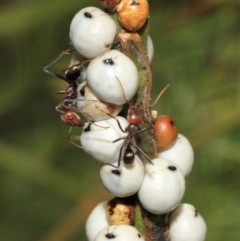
column 109, row 4
column 165, row 131
column 119, row 211
column 132, row 14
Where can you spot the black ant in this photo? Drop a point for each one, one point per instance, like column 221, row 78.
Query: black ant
column 72, row 74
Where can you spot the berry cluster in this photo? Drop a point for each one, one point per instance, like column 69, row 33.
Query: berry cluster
column 102, row 84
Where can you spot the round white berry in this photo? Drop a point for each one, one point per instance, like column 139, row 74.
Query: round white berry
column 186, row 224
column 92, row 108
column 99, row 139
column 97, row 220
column 163, row 186
column 150, row 49
column 125, row 180
column 92, row 32
column 113, row 77
column 119, row 233
column 180, row 153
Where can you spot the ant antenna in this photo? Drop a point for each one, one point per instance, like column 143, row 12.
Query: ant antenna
column 160, row 94
column 122, row 90
column 45, row 69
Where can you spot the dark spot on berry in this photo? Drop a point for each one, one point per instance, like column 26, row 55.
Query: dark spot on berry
column 108, row 61
column 172, row 168
column 134, row 3
column 111, row 212
column 109, row 236
column 139, row 235
column 87, row 128
column 116, row 172
column 88, row 15
column 82, row 91
column 196, row 213
column 107, row 45
column 172, row 122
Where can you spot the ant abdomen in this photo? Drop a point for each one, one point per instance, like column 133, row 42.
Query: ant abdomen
column 128, row 156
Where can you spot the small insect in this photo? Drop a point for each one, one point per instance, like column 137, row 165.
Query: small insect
column 135, row 119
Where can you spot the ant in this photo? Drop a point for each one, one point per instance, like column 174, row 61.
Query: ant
column 72, row 74
column 135, row 119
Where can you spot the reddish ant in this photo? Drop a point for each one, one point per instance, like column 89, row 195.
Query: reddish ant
column 135, row 119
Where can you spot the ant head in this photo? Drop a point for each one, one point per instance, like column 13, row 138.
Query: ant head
column 72, row 74
column 134, row 116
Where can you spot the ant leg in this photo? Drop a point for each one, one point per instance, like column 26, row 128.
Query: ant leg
column 57, row 108
column 138, row 132
column 45, row 69
column 142, row 152
column 120, row 155
column 119, row 139
column 69, row 138
column 115, row 119
column 119, row 159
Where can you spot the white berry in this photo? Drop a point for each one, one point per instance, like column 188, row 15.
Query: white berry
column 119, row 233
column 163, row 186
column 97, row 220
column 92, row 32
column 150, row 49
column 180, row 153
column 113, row 77
column 99, row 139
column 125, row 180
column 91, row 107
column 186, row 224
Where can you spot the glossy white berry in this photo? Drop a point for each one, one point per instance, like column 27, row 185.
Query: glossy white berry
column 97, row 220
column 150, row 49
column 92, row 32
column 125, row 180
column 180, row 153
column 92, row 108
column 186, row 224
column 105, row 72
column 163, row 186
column 119, row 233
column 99, row 139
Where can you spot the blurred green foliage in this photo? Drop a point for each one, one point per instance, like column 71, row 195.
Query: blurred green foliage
column 47, row 185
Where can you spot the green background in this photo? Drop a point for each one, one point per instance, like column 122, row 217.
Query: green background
column 48, row 187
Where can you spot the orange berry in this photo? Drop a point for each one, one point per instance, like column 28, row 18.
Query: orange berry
column 132, row 14
column 165, row 131
column 109, row 4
